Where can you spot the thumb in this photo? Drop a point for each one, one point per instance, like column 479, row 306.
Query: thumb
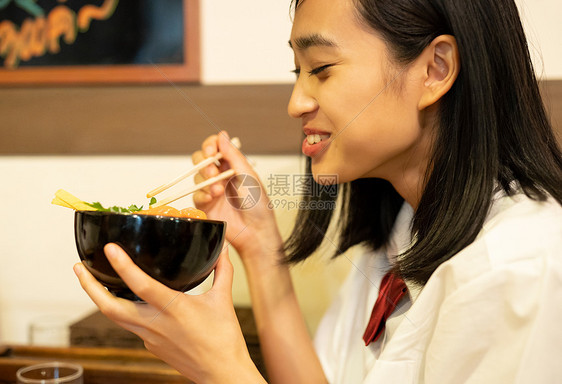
column 224, row 273
column 232, row 155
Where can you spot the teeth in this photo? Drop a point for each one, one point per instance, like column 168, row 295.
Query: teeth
column 314, row 139
column 310, row 139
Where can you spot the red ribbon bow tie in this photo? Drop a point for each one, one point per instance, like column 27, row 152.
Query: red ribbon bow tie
column 392, row 289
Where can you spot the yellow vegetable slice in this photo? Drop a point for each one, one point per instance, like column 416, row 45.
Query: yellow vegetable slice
column 62, row 203
column 68, row 200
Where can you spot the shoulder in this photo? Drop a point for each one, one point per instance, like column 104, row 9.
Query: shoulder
column 519, row 228
column 521, row 214
column 506, row 288
column 520, row 236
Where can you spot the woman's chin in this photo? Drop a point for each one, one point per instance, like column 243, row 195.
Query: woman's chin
column 324, row 176
column 332, row 175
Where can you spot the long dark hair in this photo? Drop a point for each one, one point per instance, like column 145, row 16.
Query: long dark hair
column 492, row 131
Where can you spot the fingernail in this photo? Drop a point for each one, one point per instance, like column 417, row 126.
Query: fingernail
column 78, row 269
column 208, row 151
column 110, row 252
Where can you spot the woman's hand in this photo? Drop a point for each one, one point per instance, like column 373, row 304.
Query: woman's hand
column 251, row 230
column 198, row 335
column 284, row 338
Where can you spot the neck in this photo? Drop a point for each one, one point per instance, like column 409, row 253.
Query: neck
column 409, row 177
column 410, row 184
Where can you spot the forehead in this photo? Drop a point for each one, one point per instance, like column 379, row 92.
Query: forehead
column 328, row 18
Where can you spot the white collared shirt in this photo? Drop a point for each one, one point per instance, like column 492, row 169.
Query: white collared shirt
column 490, row 314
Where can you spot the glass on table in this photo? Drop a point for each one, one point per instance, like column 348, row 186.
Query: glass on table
column 49, row 331
column 51, row 373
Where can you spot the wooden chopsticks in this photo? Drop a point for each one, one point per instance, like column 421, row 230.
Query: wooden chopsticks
column 215, row 159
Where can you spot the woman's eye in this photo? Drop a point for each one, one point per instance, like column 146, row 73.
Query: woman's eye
column 314, row 71
column 319, row 70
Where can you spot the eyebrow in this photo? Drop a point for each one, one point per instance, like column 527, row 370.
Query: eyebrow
column 312, row 40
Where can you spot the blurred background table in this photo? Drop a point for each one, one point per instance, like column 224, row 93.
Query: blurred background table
column 112, row 355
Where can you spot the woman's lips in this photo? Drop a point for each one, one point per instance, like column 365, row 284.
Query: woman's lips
column 315, row 142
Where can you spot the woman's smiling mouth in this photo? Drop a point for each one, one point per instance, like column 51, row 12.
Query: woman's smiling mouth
column 315, row 142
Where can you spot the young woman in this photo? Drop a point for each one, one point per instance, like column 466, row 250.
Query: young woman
column 450, row 177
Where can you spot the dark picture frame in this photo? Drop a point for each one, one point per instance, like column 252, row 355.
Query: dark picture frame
column 40, row 67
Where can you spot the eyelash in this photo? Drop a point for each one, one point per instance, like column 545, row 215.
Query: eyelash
column 314, row 71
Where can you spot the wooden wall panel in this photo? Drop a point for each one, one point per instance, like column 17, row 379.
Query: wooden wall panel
column 144, row 120
column 161, row 119
column 552, row 95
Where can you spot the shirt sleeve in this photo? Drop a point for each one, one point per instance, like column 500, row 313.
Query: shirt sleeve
column 502, row 327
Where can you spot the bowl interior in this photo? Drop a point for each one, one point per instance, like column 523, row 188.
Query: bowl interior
column 178, row 252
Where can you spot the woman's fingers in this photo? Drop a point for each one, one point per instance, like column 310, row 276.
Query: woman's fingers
column 201, row 198
column 209, row 149
column 214, row 190
column 93, row 288
column 231, row 154
column 210, row 170
column 125, row 313
column 224, row 272
column 203, row 195
column 210, row 146
column 144, row 286
column 106, row 302
column 232, row 159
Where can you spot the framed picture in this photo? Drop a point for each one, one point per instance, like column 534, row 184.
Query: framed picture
column 99, row 41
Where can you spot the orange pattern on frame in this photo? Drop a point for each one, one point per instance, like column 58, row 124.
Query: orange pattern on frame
column 39, row 35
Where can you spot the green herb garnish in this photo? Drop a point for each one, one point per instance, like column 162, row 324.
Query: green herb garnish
column 101, row 208
column 153, row 201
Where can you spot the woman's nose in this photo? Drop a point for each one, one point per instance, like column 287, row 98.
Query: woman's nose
column 301, row 102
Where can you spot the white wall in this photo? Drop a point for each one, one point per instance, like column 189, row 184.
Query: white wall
column 37, row 242
column 246, row 42
column 541, row 19
column 243, row 42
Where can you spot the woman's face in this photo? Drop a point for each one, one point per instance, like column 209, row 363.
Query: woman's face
column 349, row 94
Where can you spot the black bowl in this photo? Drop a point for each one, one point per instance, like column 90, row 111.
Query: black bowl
column 178, row 252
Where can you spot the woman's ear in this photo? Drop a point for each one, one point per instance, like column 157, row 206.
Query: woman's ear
column 442, row 66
